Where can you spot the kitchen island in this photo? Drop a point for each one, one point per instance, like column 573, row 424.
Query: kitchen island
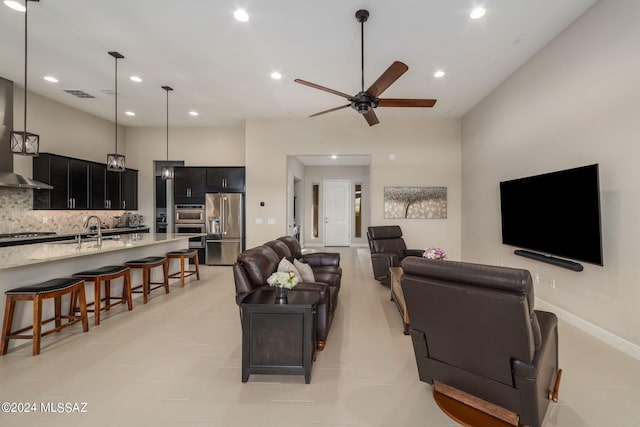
column 29, row 264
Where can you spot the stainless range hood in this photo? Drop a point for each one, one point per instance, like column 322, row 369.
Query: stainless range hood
column 7, row 177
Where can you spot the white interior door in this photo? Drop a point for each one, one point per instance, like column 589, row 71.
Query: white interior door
column 337, row 212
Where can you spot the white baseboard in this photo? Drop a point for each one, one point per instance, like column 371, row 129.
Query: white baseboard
column 613, row 340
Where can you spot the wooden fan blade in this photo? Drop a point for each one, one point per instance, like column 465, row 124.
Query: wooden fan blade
column 326, row 89
column 387, row 78
column 330, row 110
column 400, row 102
column 371, row 117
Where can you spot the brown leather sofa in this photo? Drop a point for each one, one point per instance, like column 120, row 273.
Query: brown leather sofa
column 474, row 329
column 255, row 265
column 388, row 249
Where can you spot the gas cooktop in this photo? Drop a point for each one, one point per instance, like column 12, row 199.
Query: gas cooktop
column 26, row 234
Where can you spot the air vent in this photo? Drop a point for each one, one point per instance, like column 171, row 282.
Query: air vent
column 79, row 93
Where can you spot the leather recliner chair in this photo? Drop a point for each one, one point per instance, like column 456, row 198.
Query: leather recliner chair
column 474, row 329
column 388, row 249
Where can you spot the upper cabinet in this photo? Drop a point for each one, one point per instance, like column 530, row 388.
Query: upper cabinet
column 129, row 189
column 189, row 185
column 225, row 180
column 69, row 178
column 105, row 187
column 80, row 184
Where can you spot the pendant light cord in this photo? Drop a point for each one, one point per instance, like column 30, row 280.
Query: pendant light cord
column 26, row 12
column 167, row 90
column 116, row 113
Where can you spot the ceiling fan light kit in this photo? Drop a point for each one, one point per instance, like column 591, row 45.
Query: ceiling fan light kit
column 364, row 102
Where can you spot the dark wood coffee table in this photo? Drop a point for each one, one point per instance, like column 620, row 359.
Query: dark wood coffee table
column 278, row 339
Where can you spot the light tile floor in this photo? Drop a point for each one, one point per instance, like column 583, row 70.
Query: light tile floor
column 176, row 362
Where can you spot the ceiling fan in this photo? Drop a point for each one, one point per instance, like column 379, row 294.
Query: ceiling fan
column 365, row 101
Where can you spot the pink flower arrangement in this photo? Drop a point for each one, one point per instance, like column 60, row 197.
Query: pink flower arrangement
column 434, row 253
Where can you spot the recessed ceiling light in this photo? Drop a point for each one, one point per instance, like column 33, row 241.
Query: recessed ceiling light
column 193, row 113
column 276, row 75
column 438, row 74
column 136, row 79
column 333, row 156
column 15, row 5
column 51, row 79
column 478, row 12
column 130, row 113
column 241, row 15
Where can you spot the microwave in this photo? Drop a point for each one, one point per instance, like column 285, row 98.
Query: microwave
column 189, row 214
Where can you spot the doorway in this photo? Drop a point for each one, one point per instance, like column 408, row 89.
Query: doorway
column 337, row 210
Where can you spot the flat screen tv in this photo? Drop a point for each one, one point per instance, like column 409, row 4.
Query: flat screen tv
column 556, row 213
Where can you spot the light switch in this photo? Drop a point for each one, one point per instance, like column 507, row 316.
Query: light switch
column 259, row 221
column 271, row 220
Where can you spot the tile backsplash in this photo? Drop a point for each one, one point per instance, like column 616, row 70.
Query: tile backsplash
column 17, row 214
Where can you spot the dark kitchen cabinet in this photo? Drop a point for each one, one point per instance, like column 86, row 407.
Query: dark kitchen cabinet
column 129, row 189
column 105, row 187
column 225, row 180
column 69, row 178
column 81, row 184
column 189, row 185
column 161, row 192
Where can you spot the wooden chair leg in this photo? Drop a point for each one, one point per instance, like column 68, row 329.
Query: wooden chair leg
column 196, row 262
column 37, row 323
column 9, row 309
column 80, row 294
column 126, row 290
column 145, row 284
column 182, row 272
column 165, row 274
column 57, row 304
column 107, row 295
column 97, row 285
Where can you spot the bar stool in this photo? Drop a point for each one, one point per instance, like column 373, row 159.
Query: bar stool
column 36, row 293
column 107, row 274
column 146, row 264
column 182, row 255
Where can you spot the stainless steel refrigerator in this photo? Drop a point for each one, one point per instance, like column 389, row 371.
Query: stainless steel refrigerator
column 224, row 213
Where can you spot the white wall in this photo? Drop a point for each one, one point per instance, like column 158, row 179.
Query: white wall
column 427, row 152
column 575, row 103
column 203, row 146
column 63, row 130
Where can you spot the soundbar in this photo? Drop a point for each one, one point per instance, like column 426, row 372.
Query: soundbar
column 559, row 262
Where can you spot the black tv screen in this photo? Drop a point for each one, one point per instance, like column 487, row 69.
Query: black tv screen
column 556, row 214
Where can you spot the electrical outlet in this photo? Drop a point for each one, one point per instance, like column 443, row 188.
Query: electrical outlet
column 45, row 220
column 552, row 283
column 536, row 278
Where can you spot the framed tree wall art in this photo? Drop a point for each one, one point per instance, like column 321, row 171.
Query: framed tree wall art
column 415, row 202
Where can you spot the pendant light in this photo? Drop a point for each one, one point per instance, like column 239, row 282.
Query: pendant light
column 115, row 161
column 167, row 171
column 25, row 143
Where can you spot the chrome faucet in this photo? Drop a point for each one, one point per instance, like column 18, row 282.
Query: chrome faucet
column 78, row 237
column 86, row 225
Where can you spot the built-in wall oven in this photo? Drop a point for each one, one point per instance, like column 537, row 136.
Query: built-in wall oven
column 191, row 219
column 194, row 242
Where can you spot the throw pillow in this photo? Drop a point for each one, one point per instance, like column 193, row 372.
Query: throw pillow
column 285, row 265
column 305, row 271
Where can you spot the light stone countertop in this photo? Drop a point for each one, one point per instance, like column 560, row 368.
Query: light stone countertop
column 22, row 255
